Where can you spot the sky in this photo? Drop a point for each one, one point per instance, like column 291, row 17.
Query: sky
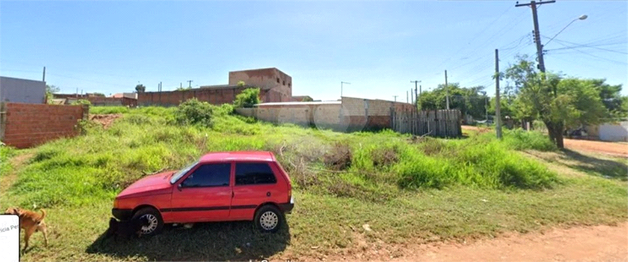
column 376, row 46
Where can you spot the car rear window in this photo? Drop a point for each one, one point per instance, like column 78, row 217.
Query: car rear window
column 209, row 175
column 254, row 174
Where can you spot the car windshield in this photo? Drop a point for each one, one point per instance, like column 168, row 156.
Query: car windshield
column 182, row 172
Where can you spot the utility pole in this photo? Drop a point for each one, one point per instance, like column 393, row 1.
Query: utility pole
column 44, row 77
column 189, row 83
column 395, row 98
column 416, row 97
column 407, row 100
column 180, row 85
column 498, row 124
column 446, row 90
column 537, row 33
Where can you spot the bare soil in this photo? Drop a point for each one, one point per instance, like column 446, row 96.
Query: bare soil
column 106, row 120
column 585, row 243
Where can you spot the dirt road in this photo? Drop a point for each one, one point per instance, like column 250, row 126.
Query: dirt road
column 611, row 148
column 594, row 243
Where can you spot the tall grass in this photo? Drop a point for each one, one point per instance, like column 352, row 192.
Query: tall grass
column 519, row 139
column 367, row 166
column 5, row 154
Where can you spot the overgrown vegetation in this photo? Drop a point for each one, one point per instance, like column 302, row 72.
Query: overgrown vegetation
column 5, row 154
column 402, row 186
column 247, row 98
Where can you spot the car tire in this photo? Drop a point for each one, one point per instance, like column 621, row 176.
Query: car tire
column 268, row 219
column 154, row 218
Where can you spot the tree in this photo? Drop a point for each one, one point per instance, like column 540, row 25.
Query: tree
column 140, row 88
column 247, row 98
column 470, row 100
column 241, row 84
column 559, row 103
column 50, row 91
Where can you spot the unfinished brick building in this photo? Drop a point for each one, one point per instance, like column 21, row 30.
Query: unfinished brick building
column 275, row 86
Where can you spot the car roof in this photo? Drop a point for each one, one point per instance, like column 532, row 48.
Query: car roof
column 265, row 156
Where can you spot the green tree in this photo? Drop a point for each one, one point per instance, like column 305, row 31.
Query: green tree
column 559, row 103
column 50, row 91
column 470, row 101
column 140, row 88
column 247, row 98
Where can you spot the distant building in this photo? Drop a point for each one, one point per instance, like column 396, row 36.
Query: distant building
column 19, row 90
column 274, row 85
column 301, row 99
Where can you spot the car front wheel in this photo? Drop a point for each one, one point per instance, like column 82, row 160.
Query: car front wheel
column 268, row 219
column 155, row 222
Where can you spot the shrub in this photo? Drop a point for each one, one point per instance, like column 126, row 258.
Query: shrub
column 247, row 98
column 338, row 157
column 194, row 112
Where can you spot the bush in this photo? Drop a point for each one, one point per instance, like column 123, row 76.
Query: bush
column 194, row 112
column 247, row 98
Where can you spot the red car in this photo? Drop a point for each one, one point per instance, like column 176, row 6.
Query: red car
column 225, row 186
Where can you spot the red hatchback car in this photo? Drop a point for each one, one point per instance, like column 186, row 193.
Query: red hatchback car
column 225, row 186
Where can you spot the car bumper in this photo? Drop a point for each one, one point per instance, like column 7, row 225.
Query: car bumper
column 122, row 214
column 287, row 207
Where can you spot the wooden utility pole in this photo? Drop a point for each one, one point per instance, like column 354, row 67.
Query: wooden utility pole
column 537, row 33
column 395, row 98
column 446, row 90
column 416, row 96
column 498, row 124
column 189, row 83
column 44, row 77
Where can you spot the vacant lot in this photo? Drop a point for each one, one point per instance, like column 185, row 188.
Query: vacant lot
column 354, row 192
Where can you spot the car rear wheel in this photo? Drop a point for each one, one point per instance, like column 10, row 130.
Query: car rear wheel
column 268, row 219
column 155, row 222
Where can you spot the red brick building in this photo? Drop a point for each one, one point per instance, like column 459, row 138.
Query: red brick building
column 274, row 85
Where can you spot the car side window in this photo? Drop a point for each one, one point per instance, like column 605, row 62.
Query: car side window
column 209, row 175
column 254, row 174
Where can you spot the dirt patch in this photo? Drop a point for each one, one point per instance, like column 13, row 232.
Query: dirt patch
column 106, row 120
column 611, row 148
column 587, row 243
column 16, row 163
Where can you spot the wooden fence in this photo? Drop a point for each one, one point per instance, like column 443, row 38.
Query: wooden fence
column 440, row 123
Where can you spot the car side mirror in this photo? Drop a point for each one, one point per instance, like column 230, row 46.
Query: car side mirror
column 179, row 186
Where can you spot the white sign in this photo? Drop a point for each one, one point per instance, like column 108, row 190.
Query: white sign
column 10, row 238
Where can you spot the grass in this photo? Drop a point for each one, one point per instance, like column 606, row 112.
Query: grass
column 405, row 189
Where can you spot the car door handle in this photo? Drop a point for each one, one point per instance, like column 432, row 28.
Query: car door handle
column 232, row 194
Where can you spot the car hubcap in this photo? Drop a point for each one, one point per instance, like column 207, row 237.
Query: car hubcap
column 269, row 220
column 152, row 224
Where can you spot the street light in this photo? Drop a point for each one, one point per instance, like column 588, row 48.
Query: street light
column 582, row 17
column 341, row 83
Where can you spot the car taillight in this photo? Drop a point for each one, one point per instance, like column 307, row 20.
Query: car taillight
column 115, row 203
column 289, row 193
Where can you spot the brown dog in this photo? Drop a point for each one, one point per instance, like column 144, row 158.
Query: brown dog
column 31, row 222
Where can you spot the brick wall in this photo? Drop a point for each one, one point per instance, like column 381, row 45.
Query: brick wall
column 27, row 125
column 216, row 96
